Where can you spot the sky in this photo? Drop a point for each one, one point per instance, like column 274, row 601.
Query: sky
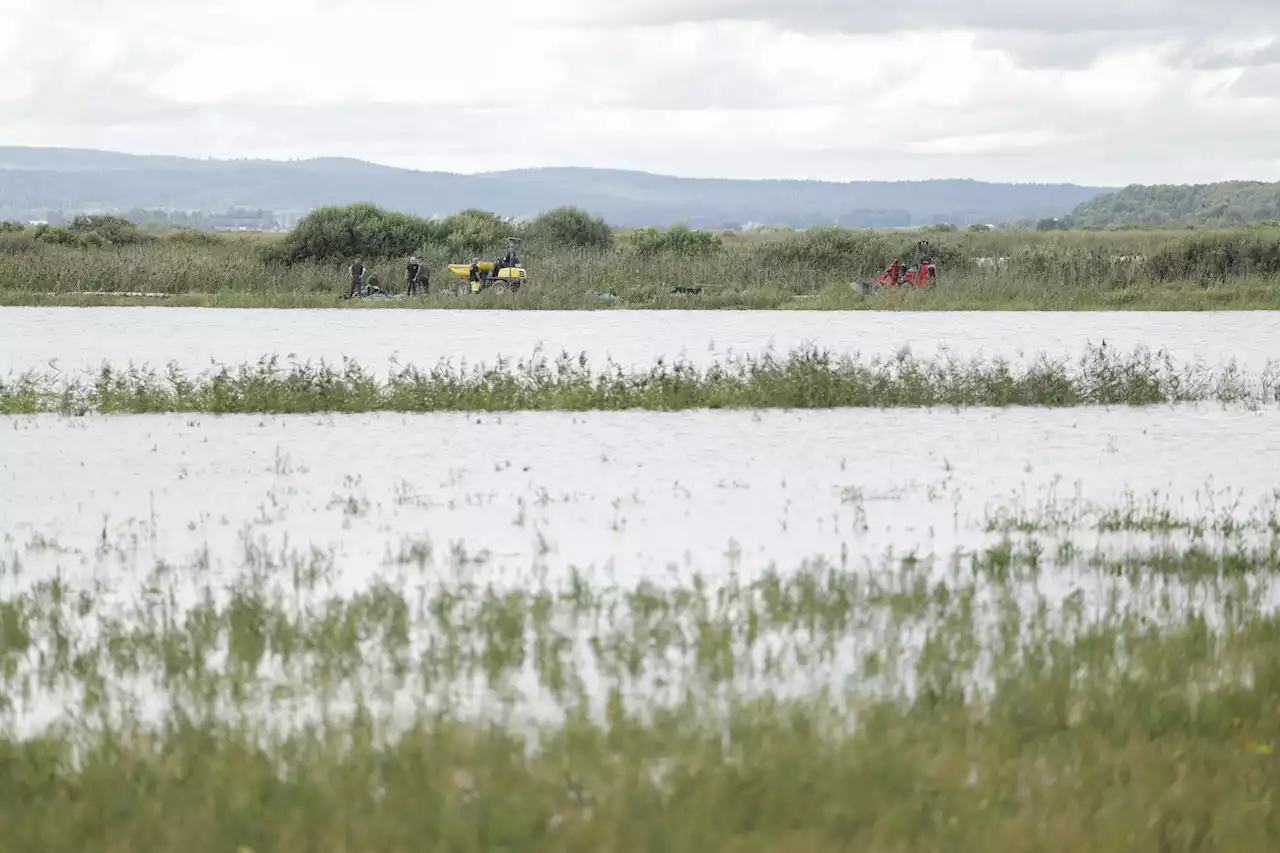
column 1099, row 92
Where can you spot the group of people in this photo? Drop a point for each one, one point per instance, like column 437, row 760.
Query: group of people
column 417, row 277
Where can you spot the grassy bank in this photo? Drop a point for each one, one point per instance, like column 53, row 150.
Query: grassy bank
column 1174, row 270
column 925, row 705
column 805, row 379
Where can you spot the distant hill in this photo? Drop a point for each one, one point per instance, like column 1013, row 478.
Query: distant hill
column 1221, row 204
column 36, row 180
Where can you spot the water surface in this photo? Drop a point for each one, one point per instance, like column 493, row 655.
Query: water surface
column 80, row 338
column 527, row 500
column 623, row 495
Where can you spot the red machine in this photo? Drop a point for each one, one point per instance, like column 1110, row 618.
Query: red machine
column 922, row 274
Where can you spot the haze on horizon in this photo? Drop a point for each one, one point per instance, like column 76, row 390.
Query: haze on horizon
column 1097, row 92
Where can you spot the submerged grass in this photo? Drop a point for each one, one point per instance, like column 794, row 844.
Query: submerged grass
column 1215, row 515
column 804, row 379
column 916, row 705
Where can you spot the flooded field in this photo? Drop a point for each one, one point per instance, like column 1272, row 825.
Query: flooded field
column 902, row 628
column 625, row 495
column 76, row 339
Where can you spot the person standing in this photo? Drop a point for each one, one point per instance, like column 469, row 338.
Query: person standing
column 417, row 276
column 357, row 278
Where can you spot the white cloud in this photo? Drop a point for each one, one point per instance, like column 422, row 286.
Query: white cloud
column 1095, row 92
column 875, row 16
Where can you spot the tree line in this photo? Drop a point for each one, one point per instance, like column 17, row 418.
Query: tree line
column 1227, row 204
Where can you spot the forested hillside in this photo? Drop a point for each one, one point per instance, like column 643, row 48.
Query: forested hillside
column 1222, row 204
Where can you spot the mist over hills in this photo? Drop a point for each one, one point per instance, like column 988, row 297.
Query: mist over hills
column 37, row 181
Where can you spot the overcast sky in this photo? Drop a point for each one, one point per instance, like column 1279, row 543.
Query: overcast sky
column 1090, row 91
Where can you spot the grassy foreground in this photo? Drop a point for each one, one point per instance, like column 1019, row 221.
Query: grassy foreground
column 917, row 705
column 1157, row 270
column 805, row 379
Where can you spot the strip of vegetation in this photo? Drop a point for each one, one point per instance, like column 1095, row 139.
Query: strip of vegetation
column 576, row 261
column 925, row 706
column 806, row 379
column 1222, row 518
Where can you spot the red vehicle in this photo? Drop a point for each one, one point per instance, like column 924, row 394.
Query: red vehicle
column 923, row 273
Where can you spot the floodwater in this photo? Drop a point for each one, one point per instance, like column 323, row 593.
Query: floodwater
column 533, row 498
column 78, row 339
column 619, row 495
column 521, row 499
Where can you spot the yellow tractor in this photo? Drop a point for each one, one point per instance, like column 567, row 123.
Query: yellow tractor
column 504, row 275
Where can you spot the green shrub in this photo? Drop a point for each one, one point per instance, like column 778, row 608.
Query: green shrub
column 11, row 227
column 100, row 229
column 570, row 227
column 367, row 231
column 194, row 237
column 471, row 232
column 92, row 232
column 357, row 230
column 680, row 240
column 55, row 235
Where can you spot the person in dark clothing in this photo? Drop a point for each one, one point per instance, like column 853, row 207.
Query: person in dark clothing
column 506, row 262
column 411, row 271
column 357, row 278
column 417, row 276
column 375, row 285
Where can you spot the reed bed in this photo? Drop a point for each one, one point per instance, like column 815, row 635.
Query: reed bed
column 1032, row 696
column 1173, row 270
